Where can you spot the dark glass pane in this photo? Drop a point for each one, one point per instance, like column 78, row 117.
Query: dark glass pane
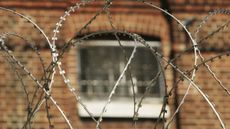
column 102, row 66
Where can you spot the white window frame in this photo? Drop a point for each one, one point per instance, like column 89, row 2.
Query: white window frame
column 122, row 107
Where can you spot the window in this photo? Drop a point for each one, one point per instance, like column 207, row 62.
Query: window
column 100, row 65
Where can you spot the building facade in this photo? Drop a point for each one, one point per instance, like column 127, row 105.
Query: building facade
column 82, row 62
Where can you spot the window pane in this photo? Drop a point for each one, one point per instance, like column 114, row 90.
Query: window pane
column 102, row 66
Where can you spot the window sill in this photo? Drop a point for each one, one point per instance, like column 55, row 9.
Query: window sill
column 123, row 108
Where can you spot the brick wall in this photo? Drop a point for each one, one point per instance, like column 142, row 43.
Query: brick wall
column 195, row 112
column 128, row 16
